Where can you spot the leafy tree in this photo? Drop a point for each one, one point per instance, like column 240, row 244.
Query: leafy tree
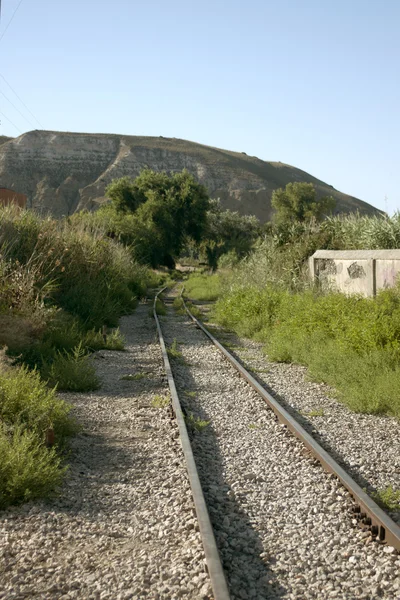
column 298, row 202
column 228, row 231
column 155, row 213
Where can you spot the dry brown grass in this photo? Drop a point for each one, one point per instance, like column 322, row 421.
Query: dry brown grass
column 17, row 333
column 5, row 361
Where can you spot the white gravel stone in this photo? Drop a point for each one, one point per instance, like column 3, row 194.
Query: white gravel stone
column 283, row 526
column 120, row 526
column 367, row 446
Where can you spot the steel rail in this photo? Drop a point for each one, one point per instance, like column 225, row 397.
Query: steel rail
column 215, row 570
column 366, row 510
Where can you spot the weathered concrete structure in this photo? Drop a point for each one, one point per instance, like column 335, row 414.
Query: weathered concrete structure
column 8, row 197
column 362, row 272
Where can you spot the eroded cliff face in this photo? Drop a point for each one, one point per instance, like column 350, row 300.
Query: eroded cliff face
column 64, row 172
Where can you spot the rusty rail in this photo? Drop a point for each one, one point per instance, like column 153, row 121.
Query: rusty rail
column 215, row 570
column 366, row 510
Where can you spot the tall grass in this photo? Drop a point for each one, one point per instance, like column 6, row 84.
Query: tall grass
column 75, row 267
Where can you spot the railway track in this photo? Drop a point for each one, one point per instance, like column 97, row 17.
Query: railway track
column 281, row 531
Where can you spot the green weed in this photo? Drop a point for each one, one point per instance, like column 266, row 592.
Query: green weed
column 195, row 423
column 388, row 498
column 179, row 306
column 135, row 377
column 315, row 412
column 348, row 342
column 160, row 307
column 175, row 354
column 196, row 312
column 160, row 401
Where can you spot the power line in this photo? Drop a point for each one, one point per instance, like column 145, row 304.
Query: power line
column 22, row 102
column 11, row 88
column 13, row 124
column 17, row 109
column 9, row 22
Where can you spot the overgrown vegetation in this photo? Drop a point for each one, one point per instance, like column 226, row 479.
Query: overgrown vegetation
column 160, row 307
column 179, row 306
column 72, row 371
column 63, row 285
column 350, row 342
column 29, row 410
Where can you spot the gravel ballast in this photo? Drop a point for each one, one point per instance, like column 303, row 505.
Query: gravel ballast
column 367, row 446
column 283, row 526
column 124, row 525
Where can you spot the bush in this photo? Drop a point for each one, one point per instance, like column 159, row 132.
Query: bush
column 72, row 371
column 160, row 308
column 28, row 470
column 26, row 400
column 28, row 409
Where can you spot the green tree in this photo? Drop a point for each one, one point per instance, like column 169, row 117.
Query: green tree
column 228, row 231
column 298, row 202
column 155, row 213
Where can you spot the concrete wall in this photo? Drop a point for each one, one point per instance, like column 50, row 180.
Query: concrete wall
column 10, row 197
column 355, row 271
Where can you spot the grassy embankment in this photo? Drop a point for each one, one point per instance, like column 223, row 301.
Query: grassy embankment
column 351, row 343
column 61, row 285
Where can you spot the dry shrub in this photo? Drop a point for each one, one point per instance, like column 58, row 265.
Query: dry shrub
column 5, row 361
column 18, row 333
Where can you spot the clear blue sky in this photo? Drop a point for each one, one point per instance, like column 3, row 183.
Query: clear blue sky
column 312, row 83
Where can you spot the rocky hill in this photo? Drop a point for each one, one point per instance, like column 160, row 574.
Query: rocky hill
column 4, row 138
column 64, row 172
